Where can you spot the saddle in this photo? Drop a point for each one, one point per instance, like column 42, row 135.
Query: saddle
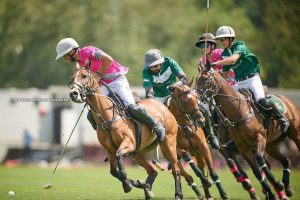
column 266, row 113
column 124, row 113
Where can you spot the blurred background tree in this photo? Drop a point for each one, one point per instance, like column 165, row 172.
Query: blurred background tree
column 30, row 30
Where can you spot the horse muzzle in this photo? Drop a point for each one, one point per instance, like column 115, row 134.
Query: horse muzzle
column 76, row 96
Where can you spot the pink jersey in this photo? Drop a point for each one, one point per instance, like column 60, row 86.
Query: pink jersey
column 216, row 57
column 88, row 60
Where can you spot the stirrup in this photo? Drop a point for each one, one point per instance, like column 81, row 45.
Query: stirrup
column 284, row 125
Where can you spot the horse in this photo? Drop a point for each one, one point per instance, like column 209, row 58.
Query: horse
column 186, row 127
column 117, row 134
column 230, row 153
column 191, row 140
column 246, row 126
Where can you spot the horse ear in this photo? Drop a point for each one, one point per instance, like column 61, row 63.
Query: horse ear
column 207, row 66
column 191, row 82
column 204, row 73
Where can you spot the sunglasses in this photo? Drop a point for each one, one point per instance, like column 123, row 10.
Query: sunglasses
column 68, row 55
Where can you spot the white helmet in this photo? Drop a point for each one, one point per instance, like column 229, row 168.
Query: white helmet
column 153, row 57
column 225, row 32
column 65, row 46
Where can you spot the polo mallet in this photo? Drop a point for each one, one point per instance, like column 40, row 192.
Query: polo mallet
column 49, row 185
column 156, row 163
column 206, row 28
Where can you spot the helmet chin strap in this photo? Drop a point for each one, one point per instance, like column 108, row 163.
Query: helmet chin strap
column 72, row 59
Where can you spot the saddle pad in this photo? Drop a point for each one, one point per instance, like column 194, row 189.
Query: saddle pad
column 279, row 103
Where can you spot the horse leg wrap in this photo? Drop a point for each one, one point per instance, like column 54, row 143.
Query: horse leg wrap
column 286, row 181
column 196, row 190
column 266, row 189
column 217, row 181
column 286, row 176
column 204, row 180
column 277, row 185
column 120, row 164
column 150, row 180
column 178, row 189
column 239, row 177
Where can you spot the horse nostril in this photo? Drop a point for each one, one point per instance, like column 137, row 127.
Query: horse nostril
column 74, row 94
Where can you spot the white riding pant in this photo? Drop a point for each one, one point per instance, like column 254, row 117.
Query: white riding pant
column 255, row 85
column 121, row 87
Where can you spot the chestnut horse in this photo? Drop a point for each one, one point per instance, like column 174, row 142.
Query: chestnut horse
column 190, row 138
column 116, row 133
column 246, row 126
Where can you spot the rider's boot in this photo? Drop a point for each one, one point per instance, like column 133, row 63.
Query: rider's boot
column 208, row 129
column 91, row 120
column 140, row 113
column 269, row 105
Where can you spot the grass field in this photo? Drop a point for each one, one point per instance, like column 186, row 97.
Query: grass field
column 96, row 183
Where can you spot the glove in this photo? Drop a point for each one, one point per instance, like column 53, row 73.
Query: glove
column 149, row 95
column 184, row 80
column 207, row 65
column 97, row 55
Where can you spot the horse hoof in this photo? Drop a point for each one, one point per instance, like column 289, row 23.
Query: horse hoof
column 280, row 186
column 148, row 194
column 289, row 191
column 201, row 198
column 127, row 186
column 253, row 196
column 206, row 183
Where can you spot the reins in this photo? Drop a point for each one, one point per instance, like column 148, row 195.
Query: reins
column 215, row 92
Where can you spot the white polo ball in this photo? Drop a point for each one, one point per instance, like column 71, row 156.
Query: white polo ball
column 11, row 193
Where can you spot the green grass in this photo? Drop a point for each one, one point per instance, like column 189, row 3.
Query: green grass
column 96, row 183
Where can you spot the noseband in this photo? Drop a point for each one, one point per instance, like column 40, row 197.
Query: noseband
column 83, row 88
column 182, row 105
column 207, row 92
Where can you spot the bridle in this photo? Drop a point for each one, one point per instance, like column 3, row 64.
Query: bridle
column 207, row 92
column 182, row 106
column 210, row 90
column 83, row 88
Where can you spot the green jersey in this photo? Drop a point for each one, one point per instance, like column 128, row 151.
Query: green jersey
column 247, row 63
column 166, row 77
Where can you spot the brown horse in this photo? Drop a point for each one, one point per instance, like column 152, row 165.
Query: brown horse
column 246, row 126
column 116, row 133
column 191, row 139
